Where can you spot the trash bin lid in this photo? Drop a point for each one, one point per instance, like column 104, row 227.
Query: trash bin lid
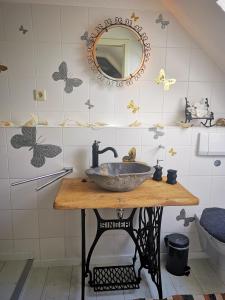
column 178, row 240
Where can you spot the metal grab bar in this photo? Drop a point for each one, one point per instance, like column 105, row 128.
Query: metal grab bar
column 62, row 173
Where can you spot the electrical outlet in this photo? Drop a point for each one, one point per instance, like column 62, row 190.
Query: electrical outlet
column 40, row 95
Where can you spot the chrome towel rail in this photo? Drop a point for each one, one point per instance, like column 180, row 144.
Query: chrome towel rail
column 62, row 173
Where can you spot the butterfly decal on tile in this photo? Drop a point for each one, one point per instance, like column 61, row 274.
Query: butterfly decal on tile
column 40, row 151
column 62, row 74
column 22, row 29
column 88, row 103
column 172, row 152
column 157, row 133
column 182, row 216
column 3, row 68
column 162, row 21
column 134, row 17
column 85, row 37
column 133, row 107
column 161, row 79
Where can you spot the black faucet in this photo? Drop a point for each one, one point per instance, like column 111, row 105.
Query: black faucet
column 96, row 152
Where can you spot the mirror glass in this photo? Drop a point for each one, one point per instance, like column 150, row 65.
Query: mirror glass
column 119, row 52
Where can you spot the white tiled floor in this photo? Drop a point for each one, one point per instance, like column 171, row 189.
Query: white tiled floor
column 60, row 283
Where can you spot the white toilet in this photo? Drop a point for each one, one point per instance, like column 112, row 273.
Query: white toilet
column 214, row 248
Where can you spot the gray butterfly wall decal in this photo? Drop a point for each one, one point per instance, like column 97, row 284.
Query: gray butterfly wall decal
column 85, row 37
column 157, row 133
column 182, row 216
column 163, row 22
column 40, row 151
column 62, row 74
column 88, row 103
column 22, row 29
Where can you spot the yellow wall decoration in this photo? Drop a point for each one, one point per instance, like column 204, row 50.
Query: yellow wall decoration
column 167, row 83
column 133, row 106
column 172, row 152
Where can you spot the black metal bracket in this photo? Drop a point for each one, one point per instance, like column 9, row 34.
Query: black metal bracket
column 146, row 238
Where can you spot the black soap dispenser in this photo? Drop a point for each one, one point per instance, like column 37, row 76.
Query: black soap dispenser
column 158, row 171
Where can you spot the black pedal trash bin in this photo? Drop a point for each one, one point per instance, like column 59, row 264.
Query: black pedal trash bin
column 177, row 257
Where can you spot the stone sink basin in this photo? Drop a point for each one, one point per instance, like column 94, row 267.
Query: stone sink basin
column 120, row 177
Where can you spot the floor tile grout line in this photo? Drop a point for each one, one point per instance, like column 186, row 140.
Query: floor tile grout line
column 22, row 280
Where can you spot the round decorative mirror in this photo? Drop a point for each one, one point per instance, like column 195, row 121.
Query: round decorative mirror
column 118, row 51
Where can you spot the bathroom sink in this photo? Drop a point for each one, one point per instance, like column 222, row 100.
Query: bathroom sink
column 120, row 177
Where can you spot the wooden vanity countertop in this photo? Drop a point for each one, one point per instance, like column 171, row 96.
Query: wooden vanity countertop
column 75, row 194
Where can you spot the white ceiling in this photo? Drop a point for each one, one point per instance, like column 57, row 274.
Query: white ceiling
column 205, row 22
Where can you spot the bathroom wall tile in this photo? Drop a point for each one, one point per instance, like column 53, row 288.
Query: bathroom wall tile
column 180, row 69
column 4, row 170
column 15, row 15
column 151, row 97
column 50, row 135
column 2, row 137
column 5, row 224
column 5, row 95
column 201, row 67
column 25, row 224
column 54, row 92
column 146, row 137
column 74, row 21
column 78, row 158
column 178, row 136
column 218, row 170
column 6, row 246
column 52, row 248
column 195, row 245
column 171, row 119
column 180, row 161
column 51, row 223
column 72, row 247
column 102, row 97
column 107, row 136
column 200, row 165
column 174, row 100
column 200, row 186
column 20, row 117
column 108, row 118
column 77, row 136
column 72, row 223
column 4, row 194
column 76, row 100
column 157, row 36
column 46, row 22
column 157, row 61
column 218, row 190
column 124, row 244
column 218, row 96
column 30, row 246
column 21, row 62
column 24, row 196
column 177, row 36
column 128, row 137
column 51, row 165
column 2, row 35
column 122, row 96
column 46, row 196
column 199, row 90
column 150, row 155
column 169, row 222
column 48, row 59
column 21, row 94
column 150, row 119
column 106, row 246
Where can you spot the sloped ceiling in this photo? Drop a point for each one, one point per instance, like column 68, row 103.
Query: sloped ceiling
column 205, row 22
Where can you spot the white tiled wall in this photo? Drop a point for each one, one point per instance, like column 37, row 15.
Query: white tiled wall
column 28, row 223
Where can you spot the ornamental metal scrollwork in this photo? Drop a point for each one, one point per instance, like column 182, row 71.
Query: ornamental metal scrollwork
column 141, row 37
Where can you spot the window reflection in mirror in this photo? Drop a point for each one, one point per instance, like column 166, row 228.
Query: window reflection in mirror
column 119, row 53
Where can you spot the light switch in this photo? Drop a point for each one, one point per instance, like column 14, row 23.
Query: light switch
column 40, row 95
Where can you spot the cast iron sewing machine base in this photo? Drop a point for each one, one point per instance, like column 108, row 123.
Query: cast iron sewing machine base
column 146, row 238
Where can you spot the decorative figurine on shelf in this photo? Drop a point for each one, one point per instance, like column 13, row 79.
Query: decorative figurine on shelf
column 158, row 171
column 131, row 155
column 171, row 176
column 199, row 111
